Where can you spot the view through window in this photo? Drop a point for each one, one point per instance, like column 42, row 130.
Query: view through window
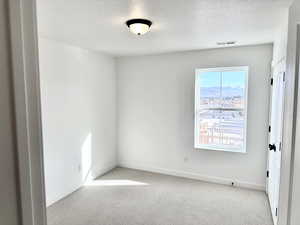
column 221, row 109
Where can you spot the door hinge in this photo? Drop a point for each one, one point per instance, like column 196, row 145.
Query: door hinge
column 269, row 128
column 283, row 76
column 276, row 212
column 280, row 146
column 272, row 81
column 268, row 173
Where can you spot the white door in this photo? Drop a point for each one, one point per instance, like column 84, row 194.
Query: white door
column 275, row 139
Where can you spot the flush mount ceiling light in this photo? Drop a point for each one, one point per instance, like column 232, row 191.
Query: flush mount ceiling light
column 139, row 26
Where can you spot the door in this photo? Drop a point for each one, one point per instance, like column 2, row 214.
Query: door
column 275, row 138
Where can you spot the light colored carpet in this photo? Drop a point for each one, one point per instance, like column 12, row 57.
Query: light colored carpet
column 132, row 197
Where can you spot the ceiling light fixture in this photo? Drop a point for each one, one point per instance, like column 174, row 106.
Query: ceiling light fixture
column 139, row 26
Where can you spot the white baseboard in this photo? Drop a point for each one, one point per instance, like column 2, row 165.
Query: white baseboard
column 195, row 176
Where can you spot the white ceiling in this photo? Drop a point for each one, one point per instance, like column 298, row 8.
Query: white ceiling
column 177, row 24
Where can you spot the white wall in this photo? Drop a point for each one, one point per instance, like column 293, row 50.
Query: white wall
column 9, row 213
column 156, row 109
column 79, row 115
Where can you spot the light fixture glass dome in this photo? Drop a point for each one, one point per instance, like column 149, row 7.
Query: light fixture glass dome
column 139, row 26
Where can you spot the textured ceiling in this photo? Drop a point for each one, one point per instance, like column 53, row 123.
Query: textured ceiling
column 178, row 25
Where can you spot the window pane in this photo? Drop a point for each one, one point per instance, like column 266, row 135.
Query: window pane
column 232, row 129
column 222, row 129
column 209, row 128
column 210, row 90
column 233, row 89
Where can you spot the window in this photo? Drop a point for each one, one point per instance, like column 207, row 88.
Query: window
column 221, row 109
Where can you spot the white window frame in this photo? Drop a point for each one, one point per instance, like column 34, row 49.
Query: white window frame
column 197, row 103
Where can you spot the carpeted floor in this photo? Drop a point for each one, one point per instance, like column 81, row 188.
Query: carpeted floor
column 132, row 197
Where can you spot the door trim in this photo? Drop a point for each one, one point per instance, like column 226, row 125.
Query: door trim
column 294, row 128
column 24, row 53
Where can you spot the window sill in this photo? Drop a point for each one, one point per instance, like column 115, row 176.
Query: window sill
column 210, row 148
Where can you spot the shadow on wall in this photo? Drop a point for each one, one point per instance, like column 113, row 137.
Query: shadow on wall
column 87, row 176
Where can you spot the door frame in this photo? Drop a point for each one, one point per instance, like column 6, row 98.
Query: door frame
column 295, row 69
column 26, row 94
